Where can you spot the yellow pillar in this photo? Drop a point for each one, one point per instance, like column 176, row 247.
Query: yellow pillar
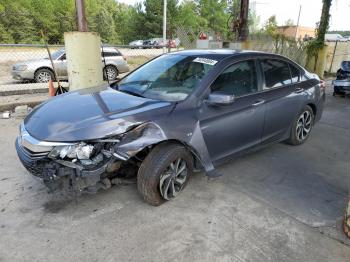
column 321, row 62
column 84, row 62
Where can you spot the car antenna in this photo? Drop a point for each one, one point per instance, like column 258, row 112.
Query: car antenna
column 60, row 89
column 104, row 61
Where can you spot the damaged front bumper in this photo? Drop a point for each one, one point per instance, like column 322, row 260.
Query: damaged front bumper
column 61, row 174
column 58, row 174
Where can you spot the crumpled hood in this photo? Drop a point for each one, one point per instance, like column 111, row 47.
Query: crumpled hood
column 89, row 114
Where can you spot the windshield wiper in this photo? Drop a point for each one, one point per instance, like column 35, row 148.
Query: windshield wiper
column 131, row 93
column 136, row 82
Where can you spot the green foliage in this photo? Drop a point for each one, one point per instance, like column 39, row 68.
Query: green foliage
column 314, row 46
column 21, row 21
column 270, row 26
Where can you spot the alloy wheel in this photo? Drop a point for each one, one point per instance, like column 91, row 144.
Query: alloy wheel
column 111, row 73
column 44, row 77
column 304, row 125
column 173, row 179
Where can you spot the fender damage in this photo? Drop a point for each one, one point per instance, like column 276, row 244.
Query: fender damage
column 111, row 157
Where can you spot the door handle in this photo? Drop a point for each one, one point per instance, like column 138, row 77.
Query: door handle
column 299, row 90
column 258, row 102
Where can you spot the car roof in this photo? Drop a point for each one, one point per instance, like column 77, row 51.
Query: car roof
column 104, row 48
column 220, row 54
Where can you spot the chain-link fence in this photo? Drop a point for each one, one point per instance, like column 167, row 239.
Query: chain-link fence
column 336, row 53
column 19, row 62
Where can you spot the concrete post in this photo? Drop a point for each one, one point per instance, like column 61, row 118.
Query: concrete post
column 84, row 61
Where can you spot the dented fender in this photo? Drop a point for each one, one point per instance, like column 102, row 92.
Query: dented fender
column 150, row 133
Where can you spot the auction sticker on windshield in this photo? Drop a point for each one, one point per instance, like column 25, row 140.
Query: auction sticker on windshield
column 205, row 61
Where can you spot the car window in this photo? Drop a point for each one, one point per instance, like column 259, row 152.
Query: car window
column 295, row 73
column 63, row 57
column 109, row 54
column 276, row 73
column 238, row 79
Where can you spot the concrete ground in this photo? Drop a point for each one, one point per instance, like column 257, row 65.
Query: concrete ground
column 281, row 203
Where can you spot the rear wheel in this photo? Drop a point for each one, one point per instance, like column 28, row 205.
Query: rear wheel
column 302, row 127
column 43, row 75
column 164, row 173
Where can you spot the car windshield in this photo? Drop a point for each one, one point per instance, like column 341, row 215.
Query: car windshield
column 57, row 54
column 168, row 77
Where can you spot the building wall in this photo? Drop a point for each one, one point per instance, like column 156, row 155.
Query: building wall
column 296, row 32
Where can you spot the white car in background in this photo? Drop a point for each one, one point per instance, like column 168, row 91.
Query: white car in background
column 40, row 70
column 136, row 44
column 335, row 37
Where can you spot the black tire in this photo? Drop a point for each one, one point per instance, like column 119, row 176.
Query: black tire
column 110, row 73
column 298, row 137
column 43, row 75
column 153, row 169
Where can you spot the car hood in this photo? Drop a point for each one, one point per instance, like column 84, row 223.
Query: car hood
column 90, row 114
column 33, row 61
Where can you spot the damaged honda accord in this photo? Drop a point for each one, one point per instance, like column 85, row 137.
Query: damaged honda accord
column 179, row 113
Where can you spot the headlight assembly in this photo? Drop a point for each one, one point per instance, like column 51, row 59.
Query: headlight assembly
column 80, row 151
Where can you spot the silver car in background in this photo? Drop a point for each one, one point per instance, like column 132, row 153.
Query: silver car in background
column 40, row 70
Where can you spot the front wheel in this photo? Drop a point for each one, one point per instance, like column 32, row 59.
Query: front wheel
column 43, row 75
column 164, row 173
column 302, row 126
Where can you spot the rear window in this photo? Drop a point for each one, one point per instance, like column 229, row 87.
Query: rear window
column 276, row 73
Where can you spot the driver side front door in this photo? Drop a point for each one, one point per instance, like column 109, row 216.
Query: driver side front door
column 229, row 129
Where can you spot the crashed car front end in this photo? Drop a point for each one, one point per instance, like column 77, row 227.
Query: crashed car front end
column 86, row 165
column 77, row 166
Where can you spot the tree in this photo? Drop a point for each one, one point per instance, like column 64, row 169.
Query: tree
column 270, row 26
column 215, row 14
column 324, row 20
column 289, row 22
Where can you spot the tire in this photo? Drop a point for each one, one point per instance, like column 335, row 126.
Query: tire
column 155, row 173
column 43, row 75
column 301, row 129
column 110, row 73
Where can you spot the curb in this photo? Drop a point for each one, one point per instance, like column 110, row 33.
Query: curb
column 12, row 106
column 24, row 91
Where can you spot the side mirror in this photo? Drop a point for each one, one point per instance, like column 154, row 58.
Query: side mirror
column 219, row 98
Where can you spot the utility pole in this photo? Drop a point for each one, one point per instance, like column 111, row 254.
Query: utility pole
column 84, row 71
column 81, row 18
column 164, row 26
column 297, row 29
column 243, row 21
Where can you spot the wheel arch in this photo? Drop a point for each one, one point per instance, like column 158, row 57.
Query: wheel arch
column 196, row 160
column 44, row 67
column 313, row 107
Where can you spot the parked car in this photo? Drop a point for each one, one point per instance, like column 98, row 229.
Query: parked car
column 137, row 44
column 180, row 112
column 335, row 37
column 40, row 70
column 342, row 83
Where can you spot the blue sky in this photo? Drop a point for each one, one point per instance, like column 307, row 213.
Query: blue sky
column 288, row 9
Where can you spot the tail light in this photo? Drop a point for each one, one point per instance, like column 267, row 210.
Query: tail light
column 323, row 85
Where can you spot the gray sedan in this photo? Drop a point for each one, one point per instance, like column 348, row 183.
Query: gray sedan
column 180, row 112
column 40, row 70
